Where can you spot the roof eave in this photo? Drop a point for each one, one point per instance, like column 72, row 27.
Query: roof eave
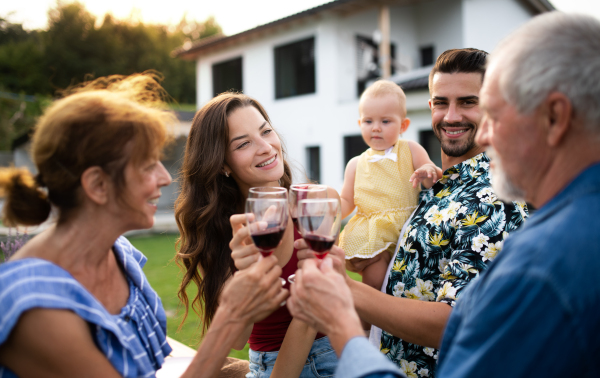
column 337, row 6
column 539, row 6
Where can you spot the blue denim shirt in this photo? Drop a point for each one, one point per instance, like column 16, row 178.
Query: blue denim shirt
column 361, row 359
column 536, row 311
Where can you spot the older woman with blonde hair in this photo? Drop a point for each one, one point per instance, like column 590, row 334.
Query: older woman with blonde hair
column 74, row 299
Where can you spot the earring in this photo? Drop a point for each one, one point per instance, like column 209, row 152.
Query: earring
column 226, row 174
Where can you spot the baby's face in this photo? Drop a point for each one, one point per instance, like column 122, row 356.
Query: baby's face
column 381, row 121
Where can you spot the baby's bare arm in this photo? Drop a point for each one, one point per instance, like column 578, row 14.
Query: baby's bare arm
column 358, row 265
column 347, row 196
column 426, row 173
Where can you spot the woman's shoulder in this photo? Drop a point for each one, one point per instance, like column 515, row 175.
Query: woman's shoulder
column 35, row 283
column 128, row 253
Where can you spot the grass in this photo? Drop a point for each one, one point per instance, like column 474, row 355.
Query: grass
column 184, row 107
column 165, row 276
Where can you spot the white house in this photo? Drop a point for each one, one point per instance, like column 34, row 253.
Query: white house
column 309, row 69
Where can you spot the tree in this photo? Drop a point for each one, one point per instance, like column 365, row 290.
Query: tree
column 75, row 48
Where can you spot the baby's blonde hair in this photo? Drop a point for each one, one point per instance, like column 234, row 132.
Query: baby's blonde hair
column 385, row 87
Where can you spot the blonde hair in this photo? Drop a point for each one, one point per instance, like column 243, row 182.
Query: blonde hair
column 108, row 122
column 385, row 87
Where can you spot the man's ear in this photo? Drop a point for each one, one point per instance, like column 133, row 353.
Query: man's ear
column 429, row 103
column 404, row 125
column 95, row 183
column 558, row 118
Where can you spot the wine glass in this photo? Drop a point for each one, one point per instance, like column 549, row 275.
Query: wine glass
column 268, row 192
column 319, row 221
column 303, row 191
column 268, row 224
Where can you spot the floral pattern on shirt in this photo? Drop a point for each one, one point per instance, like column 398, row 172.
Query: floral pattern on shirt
column 458, row 228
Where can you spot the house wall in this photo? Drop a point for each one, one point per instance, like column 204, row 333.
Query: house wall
column 325, row 117
column 438, row 23
column 497, row 18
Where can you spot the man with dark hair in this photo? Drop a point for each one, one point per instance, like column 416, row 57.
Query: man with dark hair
column 455, row 232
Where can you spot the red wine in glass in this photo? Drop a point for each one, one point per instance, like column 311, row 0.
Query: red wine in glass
column 319, row 220
column 267, row 219
column 267, row 240
column 319, row 244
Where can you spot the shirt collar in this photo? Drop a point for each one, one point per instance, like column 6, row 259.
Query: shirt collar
column 467, row 169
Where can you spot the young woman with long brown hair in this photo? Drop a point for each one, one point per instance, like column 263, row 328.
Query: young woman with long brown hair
column 232, row 147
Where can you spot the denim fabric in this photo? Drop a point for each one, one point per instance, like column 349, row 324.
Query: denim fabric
column 321, row 361
column 535, row 311
column 361, row 359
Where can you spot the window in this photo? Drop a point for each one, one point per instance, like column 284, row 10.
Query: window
column 431, row 144
column 295, row 68
column 427, row 57
column 367, row 60
column 354, row 145
column 313, row 155
column 227, row 76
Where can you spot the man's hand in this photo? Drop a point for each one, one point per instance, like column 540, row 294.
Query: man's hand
column 426, row 174
column 254, row 293
column 321, row 298
column 243, row 251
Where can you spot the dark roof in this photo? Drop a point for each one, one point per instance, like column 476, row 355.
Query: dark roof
column 414, row 83
column 342, row 6
column 339, row 6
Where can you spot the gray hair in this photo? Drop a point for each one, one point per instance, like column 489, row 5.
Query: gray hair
column 553, row 52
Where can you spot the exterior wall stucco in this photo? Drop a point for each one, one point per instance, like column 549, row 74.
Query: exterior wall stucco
column 486, row 22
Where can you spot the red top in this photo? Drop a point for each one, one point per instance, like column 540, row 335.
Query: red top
column 267, row 335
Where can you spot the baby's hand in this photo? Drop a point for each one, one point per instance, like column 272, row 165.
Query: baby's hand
column 423, row 174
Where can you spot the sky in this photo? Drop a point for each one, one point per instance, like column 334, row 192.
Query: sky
column 234, row 16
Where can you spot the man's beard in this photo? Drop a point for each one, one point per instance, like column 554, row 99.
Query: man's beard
column 503, row 186
column 452, row 147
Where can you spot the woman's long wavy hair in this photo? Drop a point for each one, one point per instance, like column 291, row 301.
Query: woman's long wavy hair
column 206, row 200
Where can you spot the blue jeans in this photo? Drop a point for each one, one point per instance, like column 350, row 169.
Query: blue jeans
column 321, row 361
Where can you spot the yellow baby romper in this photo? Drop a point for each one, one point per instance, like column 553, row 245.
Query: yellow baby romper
column 384, row 198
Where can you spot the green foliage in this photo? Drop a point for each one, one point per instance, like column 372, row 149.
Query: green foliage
column 18, row 116
column 76, row 47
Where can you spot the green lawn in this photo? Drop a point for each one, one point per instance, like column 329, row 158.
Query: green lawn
column 164, row 276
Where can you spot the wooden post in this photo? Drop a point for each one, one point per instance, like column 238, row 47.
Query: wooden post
column 385, row 59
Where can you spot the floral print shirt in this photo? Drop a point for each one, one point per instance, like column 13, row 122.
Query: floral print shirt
column 458, row 228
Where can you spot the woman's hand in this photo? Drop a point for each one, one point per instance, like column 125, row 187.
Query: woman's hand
column 254, row 293
column 243, row 251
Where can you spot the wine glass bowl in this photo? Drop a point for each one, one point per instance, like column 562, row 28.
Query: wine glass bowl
column 319, row 221
column 268, row 192
column 267, row 223
column 300, row 192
